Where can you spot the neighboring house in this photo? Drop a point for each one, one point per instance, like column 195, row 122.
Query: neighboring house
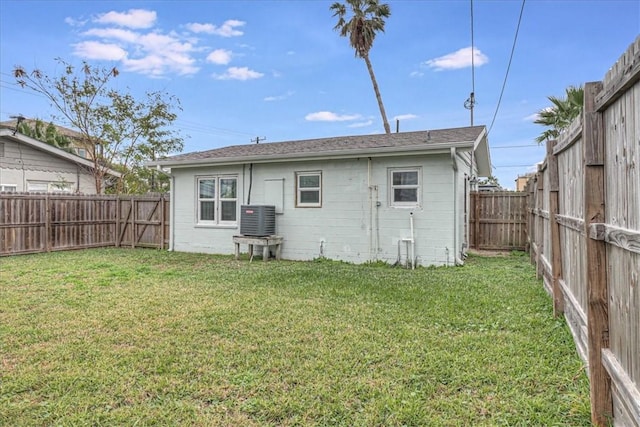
column 487, row 188
column 75, row 138
column 355, row 198
column 27, row 164
column 521, row 181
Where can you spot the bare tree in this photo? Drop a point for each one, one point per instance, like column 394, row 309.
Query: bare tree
column 117, row 130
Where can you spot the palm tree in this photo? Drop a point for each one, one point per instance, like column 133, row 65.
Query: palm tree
column 562, row 112
column 367, row 20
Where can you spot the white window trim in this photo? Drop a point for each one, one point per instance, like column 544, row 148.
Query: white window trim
column 217, row 199
column 300, row 204
column 9, row 188
column 418, row 188
column 52, row 186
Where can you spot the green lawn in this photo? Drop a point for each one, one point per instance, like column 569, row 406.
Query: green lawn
column 123, row 337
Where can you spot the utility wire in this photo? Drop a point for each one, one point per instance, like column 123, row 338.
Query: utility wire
column 504, row 83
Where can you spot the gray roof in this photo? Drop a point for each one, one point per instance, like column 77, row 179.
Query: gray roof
column 7, row 134
column 336, row 147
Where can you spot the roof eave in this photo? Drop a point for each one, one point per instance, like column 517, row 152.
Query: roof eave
column 430, row 148
column 482, row 154
column 55, row 151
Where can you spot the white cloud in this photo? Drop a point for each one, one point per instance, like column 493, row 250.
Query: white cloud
column 458, row 59
column 157, row 65
column 416, row 74
column 220, row 57
column 74, row 22
column 99, row 51
column 238, row 73
column 134, row 18
column 227, row 29
column 194, row 27
column 531, row 117
column 405, row 117
column 279, row 97
column 127, row 36
column 361, row 124
column 132, row 38
column 328, row 116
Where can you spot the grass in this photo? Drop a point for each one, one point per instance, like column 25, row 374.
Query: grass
column 124, row 337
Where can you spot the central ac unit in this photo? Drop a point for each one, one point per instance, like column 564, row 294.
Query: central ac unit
column 257, row 220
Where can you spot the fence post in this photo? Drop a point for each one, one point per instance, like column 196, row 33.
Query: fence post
column 597, row 287
column 47, row 223
column 556, row 255
column 162, row 220
column 539, row 222
column 476, row 224
column 133, row 222
column 117, row 231
column 530, row 217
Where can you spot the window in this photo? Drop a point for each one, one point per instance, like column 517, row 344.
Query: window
column 61, row 186
column 11, row 188
column 217, row 200
column 405, row 187
column 308, row 189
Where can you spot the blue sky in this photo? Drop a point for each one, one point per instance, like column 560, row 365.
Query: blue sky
column 277, row 69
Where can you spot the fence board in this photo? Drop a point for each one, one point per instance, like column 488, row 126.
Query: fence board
column 599, row 227
column 31, row 223
column 498, row 221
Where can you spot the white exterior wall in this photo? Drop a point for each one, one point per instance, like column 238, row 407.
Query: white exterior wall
column 349, row 226
column 20, row 164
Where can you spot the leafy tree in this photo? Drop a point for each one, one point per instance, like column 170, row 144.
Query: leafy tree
column 48, row 134
column 116, row 129
column 367, row 19
column 561, row 113
column 490, row 180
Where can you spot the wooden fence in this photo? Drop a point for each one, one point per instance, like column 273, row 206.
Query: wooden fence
column 498, row 220
column 31, row 223
column 584, row 231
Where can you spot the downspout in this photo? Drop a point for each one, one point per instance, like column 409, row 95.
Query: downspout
column 172, row 206
column 250, row 182
column 413, row 242
column 457, row 259
column 370, row 191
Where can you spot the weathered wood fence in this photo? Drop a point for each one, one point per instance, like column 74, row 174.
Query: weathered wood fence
column 584, row 231
column 498, row 220
column 31, row 223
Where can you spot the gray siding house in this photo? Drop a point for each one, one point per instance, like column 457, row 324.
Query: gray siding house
column 27, row 164
column 399, row 197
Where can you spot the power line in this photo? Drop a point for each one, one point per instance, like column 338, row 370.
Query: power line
column 516, row 146
column 504, row 83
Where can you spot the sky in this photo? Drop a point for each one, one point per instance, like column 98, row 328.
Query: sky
column 278, row 71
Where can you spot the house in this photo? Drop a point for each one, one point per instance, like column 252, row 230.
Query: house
column 522, row 180
column 398, row 197
column 27, row 164
column 74, row 138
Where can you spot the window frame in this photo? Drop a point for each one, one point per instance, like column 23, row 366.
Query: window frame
column 299, row 189
column 417, row 187
column 51, row 186
column 218, row 200
column 8, row 188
